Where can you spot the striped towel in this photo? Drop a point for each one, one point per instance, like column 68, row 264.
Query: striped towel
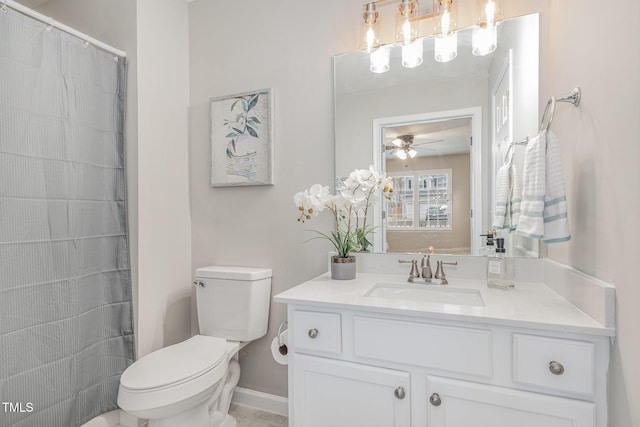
column 508, row 193
column 543, row 210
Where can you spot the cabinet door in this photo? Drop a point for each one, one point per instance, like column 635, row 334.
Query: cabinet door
column 332, row 393
column 462, row 404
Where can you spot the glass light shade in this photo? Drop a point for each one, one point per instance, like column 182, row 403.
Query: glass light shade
column 412, row 153
column 489, row 12
column 370, row 28
column 412, row 54
column 406, row 25
column 446, row 48
column 379, row 59
column 445, row 17
column 485, row 40
column 402, row 154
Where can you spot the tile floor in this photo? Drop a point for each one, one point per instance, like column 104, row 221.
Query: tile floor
column 250, row 417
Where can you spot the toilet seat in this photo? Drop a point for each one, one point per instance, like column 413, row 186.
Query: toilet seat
column 175, row 364
column 173, row 374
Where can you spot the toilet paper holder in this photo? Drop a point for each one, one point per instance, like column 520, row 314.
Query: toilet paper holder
column 282, row 347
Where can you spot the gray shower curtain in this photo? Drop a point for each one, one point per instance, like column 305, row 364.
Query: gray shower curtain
column 66, row 330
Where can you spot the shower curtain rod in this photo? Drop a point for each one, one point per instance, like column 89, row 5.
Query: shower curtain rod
column 52, row 22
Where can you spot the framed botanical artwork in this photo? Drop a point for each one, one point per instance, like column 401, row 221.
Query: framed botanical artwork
column 242, row 139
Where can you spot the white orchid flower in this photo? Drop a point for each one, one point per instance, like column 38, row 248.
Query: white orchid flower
column 349, row 206
column 319, row 196
column 313, row 200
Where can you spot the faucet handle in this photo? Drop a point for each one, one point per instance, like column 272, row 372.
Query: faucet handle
column 414, row 268
column 440, row 271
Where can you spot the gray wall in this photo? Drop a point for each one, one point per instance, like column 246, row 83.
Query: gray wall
column 238, row 46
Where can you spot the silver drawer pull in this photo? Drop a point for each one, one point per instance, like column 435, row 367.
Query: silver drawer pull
column 556, row 368
column 435, row 399
column 399, row 393
column 313, row 333
column 200, row 283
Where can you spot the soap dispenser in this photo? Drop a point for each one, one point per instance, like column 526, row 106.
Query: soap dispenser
column 488, row 248
column 499, row 268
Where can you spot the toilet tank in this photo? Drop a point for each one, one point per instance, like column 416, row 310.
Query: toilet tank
column 234, row 302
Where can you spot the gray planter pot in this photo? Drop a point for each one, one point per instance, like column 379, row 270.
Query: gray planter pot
column 343, row 268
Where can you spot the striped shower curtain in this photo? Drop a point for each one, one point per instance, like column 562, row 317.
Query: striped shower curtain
column 66, row 329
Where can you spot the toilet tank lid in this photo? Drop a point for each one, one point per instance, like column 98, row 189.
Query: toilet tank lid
column 233, row 273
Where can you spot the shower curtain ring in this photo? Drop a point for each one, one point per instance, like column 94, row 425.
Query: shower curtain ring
column 4, row 8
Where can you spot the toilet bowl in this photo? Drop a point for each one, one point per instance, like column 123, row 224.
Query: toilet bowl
column 191, row 383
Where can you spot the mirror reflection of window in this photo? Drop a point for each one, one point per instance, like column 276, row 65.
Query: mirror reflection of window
column 425, row 206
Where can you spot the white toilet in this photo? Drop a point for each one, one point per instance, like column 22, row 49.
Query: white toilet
column 191, row 383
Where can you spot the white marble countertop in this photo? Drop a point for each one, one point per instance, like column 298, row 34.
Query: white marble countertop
column 531, row 305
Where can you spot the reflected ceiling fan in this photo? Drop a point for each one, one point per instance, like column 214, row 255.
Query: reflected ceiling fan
column 404, row 146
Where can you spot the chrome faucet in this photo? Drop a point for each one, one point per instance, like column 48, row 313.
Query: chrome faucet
column 425, row 271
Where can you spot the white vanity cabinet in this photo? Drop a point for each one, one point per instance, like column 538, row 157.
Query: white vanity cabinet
column 337, row 393
column 351, row 367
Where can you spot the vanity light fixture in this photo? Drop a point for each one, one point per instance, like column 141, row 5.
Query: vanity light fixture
column 406, row 24
column 379, row 59
column 407, row 33
column 485, row 35
column 378, row 55
column 412, row 54
column 444, row 30
column 370, row 28
column 445, row 20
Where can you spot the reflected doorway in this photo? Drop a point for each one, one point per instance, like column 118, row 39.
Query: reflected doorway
column 437, row 176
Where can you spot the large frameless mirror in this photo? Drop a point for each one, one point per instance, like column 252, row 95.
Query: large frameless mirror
column 441, row 131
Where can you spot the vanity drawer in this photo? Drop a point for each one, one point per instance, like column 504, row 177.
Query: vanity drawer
column 317, row 331
column 554, row 364
column 446, row 348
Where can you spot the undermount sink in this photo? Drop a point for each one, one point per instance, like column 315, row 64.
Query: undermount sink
column 426, row 293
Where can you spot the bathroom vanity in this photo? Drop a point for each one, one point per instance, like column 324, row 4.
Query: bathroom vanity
column 377, row 351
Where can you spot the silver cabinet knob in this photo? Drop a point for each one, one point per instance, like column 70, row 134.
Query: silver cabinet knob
column 556, row 368
column 399, row 393
column 313, row 333
column 200, row 283
column 435, row 399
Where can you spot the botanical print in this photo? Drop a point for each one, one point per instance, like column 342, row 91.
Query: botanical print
column 241, row 143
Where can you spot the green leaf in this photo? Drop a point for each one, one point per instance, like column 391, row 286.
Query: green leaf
column 245, row 106
column 253, row 101
column 234, row 103
column 237, row 130
column 231, row 135
column 252, row 131
column 254, row 120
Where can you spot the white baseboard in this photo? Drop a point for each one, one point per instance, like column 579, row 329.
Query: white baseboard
column 259, row 400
